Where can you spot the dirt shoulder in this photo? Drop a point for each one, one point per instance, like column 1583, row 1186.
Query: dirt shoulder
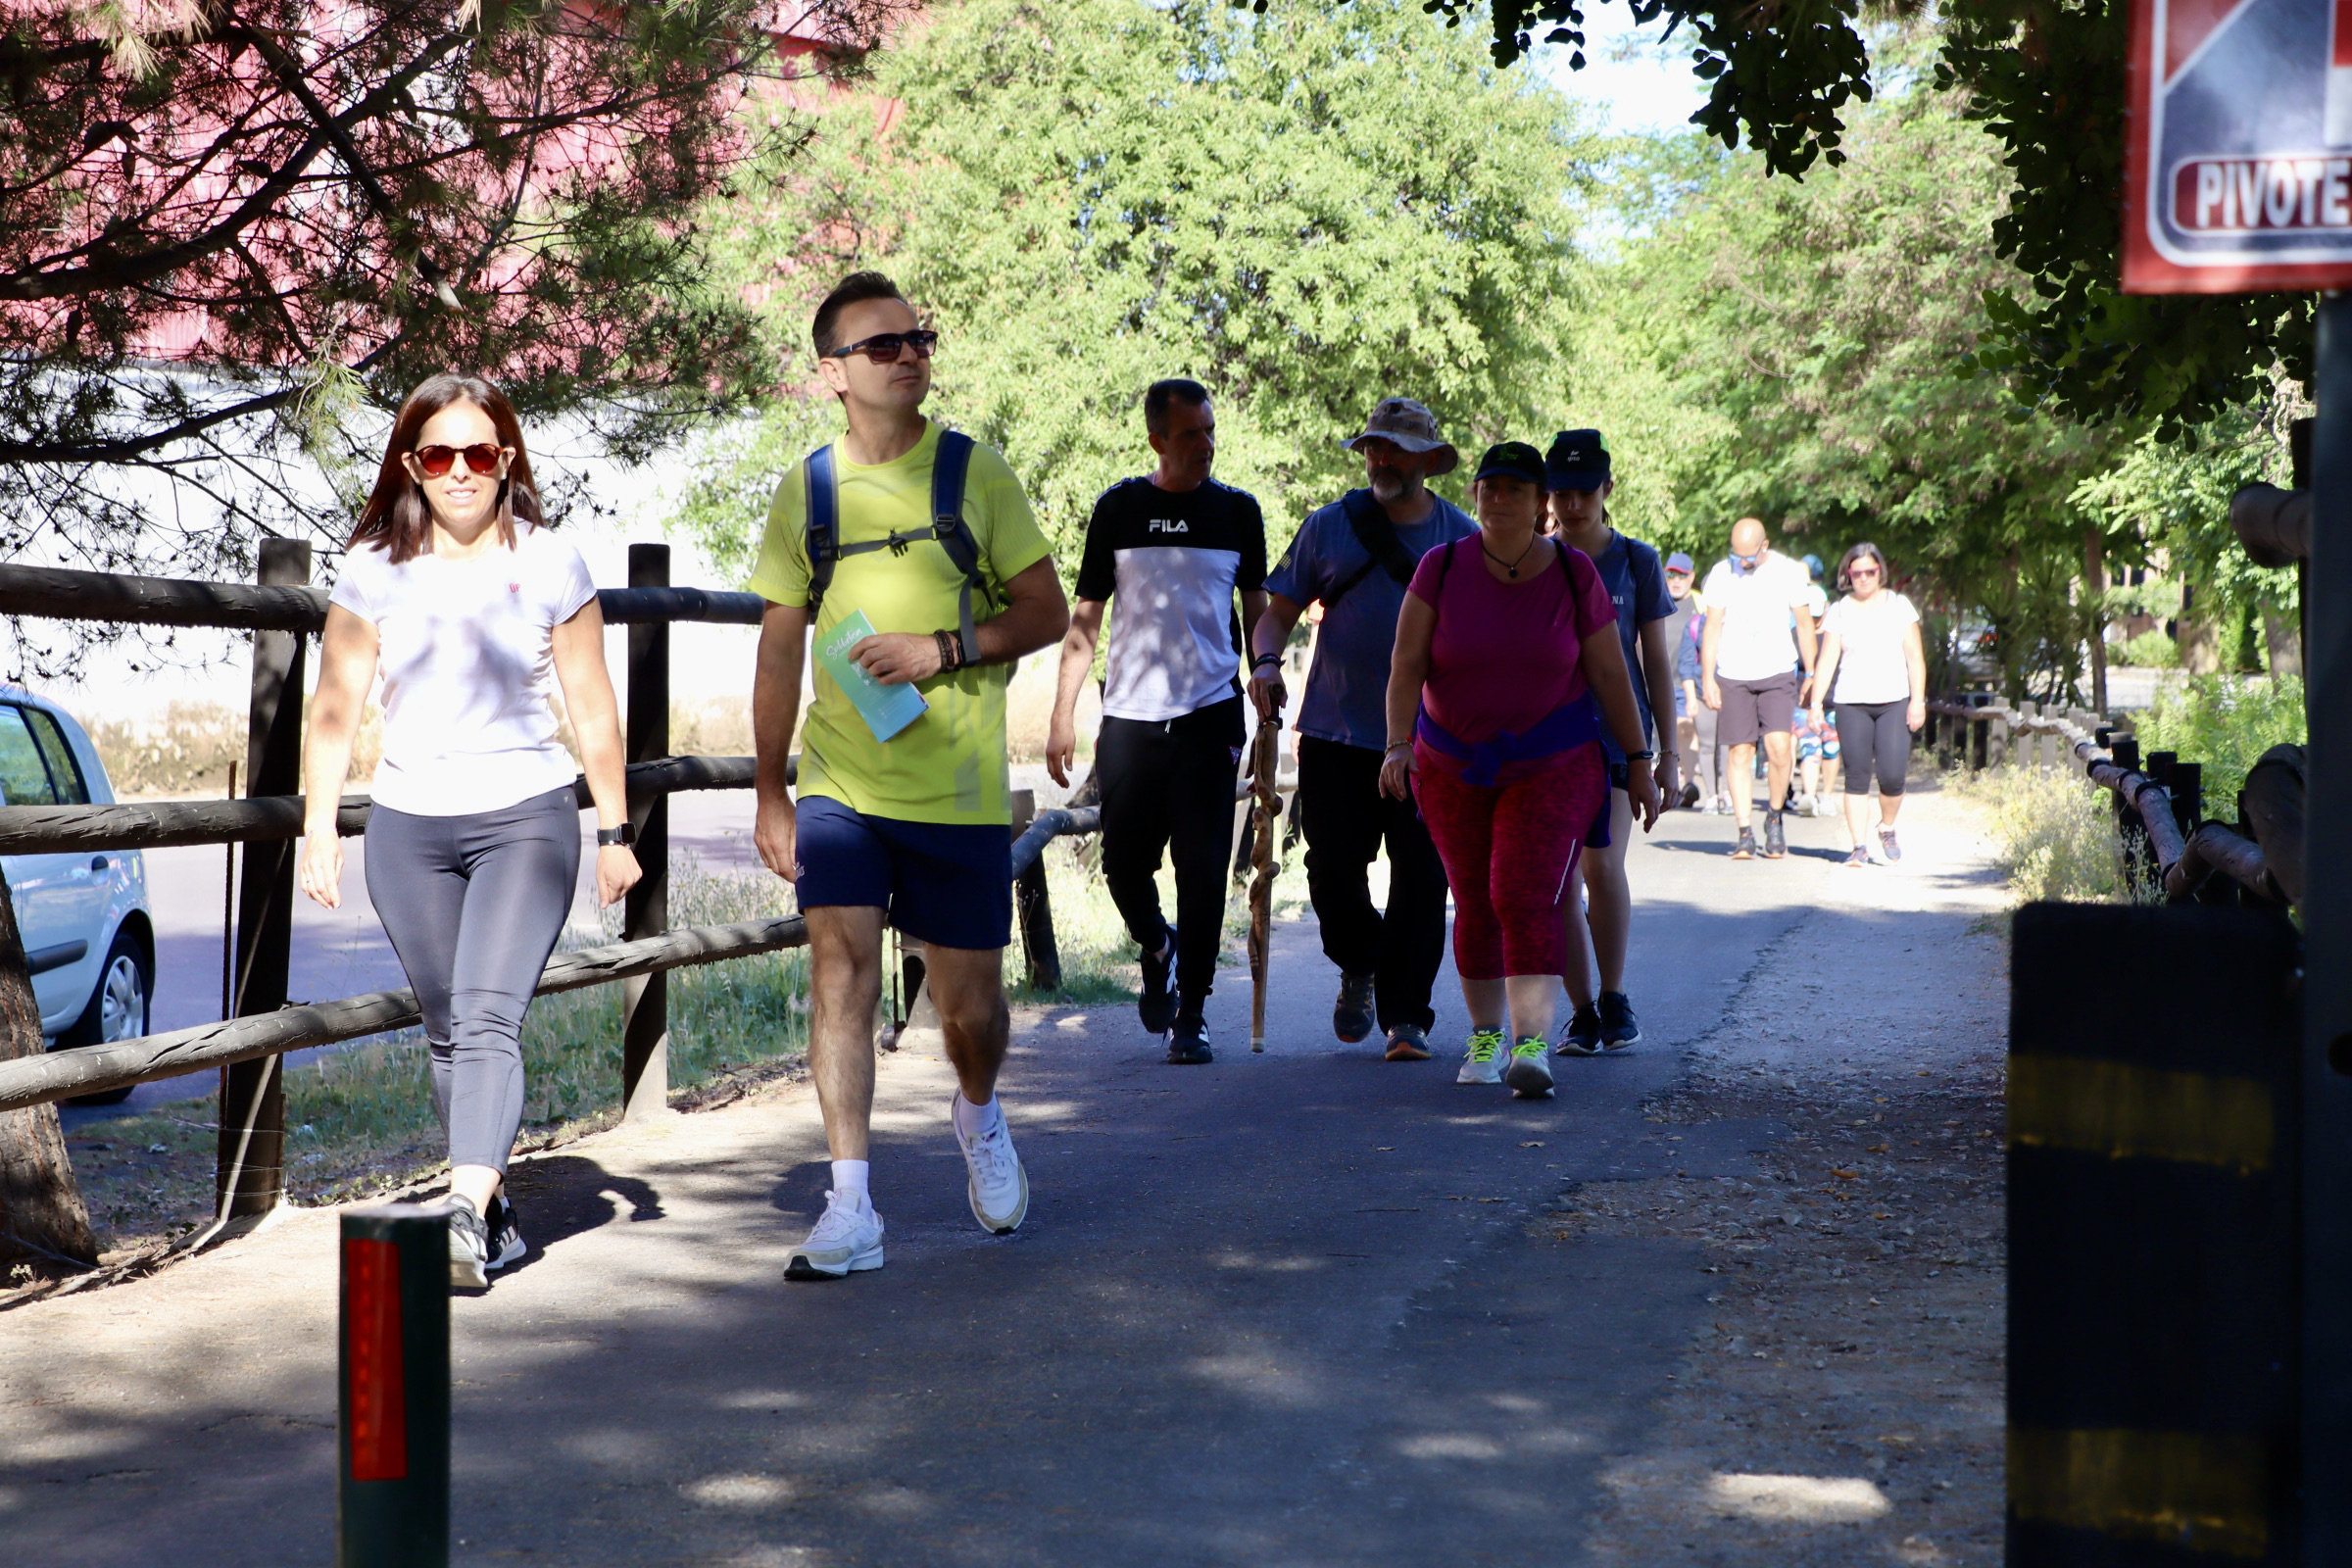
column 1842, row 1403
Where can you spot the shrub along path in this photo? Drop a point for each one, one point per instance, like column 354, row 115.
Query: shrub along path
column 1300, row 1309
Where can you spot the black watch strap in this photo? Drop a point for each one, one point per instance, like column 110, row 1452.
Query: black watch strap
column 626, row 833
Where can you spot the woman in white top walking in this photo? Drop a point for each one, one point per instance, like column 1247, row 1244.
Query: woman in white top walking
column 1869, row 649
column 454, row 588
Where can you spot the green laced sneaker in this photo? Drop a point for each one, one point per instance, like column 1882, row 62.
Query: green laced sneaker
column 1482, row 1064
column 1530, row 1073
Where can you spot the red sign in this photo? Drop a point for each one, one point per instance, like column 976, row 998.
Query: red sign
column 2237, row 167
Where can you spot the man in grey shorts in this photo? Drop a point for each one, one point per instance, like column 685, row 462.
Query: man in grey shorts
column 1755, row 666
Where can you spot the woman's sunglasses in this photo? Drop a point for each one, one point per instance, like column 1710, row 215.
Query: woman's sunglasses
column 1861, row 571
column 482, row 458
column 885, row 348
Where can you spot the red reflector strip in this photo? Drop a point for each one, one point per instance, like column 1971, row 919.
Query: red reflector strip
column 375, row 1400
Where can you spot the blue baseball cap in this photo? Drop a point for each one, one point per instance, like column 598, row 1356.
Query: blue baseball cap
column 1577, row 460
column 1812, row 566
column 1678, row 561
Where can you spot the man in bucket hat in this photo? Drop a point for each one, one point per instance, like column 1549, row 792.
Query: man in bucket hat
column 1354, row 557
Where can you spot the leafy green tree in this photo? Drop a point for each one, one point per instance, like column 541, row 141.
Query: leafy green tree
column 1798, row 352
column 1307, row 211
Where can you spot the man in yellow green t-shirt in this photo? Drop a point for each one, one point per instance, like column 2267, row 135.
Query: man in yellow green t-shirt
column 900, row 816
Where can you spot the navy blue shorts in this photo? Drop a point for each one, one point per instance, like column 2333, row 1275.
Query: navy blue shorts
column 944, row 882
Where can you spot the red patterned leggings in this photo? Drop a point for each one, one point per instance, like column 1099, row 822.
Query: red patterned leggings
column 1509, row 850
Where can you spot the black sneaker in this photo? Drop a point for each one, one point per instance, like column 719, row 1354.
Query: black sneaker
column 1188, row 1043
column 1351, row 1017
column 1776, row 842
column 1581, row 1037
column 1690, row 796
column 1618, row 1026
column 468, row 1245
column 1745, row 849
column 506, row 1244
column 1157, row 1004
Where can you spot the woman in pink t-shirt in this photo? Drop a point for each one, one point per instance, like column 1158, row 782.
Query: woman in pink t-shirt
column 1507, row 664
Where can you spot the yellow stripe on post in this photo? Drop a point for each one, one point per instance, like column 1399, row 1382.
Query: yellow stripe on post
column 2128, row 1112
column 2200, row 1493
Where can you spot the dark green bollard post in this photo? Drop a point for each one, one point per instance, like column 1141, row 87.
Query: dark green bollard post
column 392, row 1445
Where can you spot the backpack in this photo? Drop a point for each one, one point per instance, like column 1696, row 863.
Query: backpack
column 952, row 534
column 1369, row 521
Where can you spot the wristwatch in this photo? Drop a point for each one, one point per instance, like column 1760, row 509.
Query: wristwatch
column 626, row 833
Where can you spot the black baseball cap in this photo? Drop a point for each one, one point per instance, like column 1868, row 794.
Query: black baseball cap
column 1577, row 460
column 1512, row 460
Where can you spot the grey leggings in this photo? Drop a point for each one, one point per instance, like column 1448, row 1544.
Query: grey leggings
column 1871, row 733
column 473, row 905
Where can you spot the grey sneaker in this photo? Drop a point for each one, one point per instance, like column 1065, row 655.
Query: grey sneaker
column 1776, row 837
column 1482, row 1060
column 506, row 1245
column 1353, row 1015
column 996, row 1183
column 468, row 1245
column 1888, row 849
column 846, row 1239
column 1745, row 849
column 1529, row 1074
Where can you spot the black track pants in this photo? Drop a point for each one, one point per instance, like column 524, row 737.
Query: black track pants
column 1168, row 786
column 1346, row 820
column 1872, row 737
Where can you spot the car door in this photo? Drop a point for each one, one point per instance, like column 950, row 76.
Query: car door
column 42, row 887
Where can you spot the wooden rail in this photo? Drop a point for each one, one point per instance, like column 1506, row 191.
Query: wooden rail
column 2164, row 811
column 55, row 594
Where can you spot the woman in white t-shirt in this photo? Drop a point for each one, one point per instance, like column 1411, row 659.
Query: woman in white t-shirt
column 471, row 610
column 1869, row 649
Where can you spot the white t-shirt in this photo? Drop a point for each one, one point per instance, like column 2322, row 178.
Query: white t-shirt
column 467, row 665
column 1871, row 668
column 1755, row 612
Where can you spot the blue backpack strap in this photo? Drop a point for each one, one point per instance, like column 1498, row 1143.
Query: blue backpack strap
column 950, row 466
column 822, row 511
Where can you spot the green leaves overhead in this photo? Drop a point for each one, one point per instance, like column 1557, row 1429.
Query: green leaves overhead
column 1307, row 211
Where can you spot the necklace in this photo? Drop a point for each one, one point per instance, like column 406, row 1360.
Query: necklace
column 1510, row 566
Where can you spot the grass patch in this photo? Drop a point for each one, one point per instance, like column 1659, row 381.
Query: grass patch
column 2054, row 834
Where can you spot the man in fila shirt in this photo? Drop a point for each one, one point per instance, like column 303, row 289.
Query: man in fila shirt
column 1173, row 548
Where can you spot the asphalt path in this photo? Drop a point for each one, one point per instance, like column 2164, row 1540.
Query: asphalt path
column 1297, row 1308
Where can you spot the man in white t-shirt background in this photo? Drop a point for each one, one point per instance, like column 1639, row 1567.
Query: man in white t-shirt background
column 1755, row 666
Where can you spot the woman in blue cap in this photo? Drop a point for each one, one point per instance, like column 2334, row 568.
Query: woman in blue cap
column 1577, row 474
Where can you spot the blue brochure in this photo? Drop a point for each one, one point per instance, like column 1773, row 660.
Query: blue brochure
column 887, row 709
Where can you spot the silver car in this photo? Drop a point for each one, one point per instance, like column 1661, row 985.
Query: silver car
column 88, row 940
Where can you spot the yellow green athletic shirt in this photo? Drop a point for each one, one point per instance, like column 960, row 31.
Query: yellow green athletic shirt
column 949, row 766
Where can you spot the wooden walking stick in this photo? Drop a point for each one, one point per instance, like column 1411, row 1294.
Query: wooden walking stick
column 1265, row 808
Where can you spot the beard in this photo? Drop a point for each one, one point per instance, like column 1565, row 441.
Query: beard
column 1388, row 485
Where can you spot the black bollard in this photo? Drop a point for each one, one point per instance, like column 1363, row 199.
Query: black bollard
column 392, row 1447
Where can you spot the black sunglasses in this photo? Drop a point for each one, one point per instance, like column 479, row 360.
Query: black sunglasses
column 884, row 348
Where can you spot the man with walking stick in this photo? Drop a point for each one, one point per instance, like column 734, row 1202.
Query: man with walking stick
column 1173, row 547
column 1354, row 557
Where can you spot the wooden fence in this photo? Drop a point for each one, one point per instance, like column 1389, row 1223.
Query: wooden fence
column 2168, row 843
column 41, row 1214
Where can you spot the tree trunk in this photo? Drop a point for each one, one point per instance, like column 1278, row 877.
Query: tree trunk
column 42, row 1221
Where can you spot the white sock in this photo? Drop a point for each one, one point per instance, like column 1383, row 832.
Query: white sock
column 971, row 1118
column 848, row 1182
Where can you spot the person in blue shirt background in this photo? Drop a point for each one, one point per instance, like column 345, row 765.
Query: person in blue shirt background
column 1354, row 557
column 1577, row 474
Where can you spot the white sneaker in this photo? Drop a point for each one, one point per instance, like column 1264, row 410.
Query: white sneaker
column 1527, row 1073
column 1484, row 1059
column 998, row 1185
column 847, row 1238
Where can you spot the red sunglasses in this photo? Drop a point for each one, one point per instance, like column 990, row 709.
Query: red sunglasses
column 482, row 458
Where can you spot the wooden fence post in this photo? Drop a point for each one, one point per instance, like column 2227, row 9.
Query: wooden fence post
column 42, row 1220
column 249, row 1174
column 645, row 1000
column 1033, row 907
